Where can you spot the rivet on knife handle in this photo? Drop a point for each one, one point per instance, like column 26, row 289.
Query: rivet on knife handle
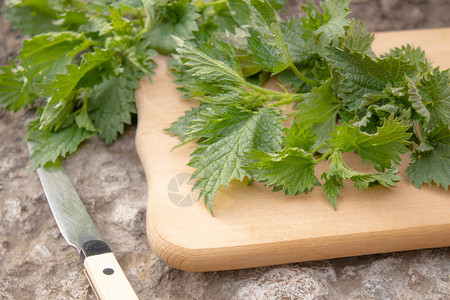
column 104, row 273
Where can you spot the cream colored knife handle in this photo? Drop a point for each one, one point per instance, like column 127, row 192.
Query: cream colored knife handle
column 107, row 278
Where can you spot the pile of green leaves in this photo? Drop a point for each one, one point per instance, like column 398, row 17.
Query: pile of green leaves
column 82, row 61
column 343, row 99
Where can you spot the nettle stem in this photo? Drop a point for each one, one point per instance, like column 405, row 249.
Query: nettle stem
column 202, row 5
column 315, row 150
column 289, row 99
column 87, row 91
column 325, row 155
column 285, row 97
column 303, row 77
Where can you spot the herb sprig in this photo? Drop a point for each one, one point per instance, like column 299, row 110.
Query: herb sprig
column 84, row 59
column 343, row 99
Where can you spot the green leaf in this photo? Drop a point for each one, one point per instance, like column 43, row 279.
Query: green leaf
column 177, row 18
column 51, row 145
column 299, row 137
column 322, row 29
column 62, row 90
column 181, row 127
column 45, row 49
column 13, row 92
column 220, row 160
column 431, row 161
column 31, row 17
column 111, row 106
column 72, row 20
column 332, row 189
column 292, row 31
column 364, row 75
column 380, row 149
column 267, row 43
column 46, row 55
column 239, row 11
column 416, row 100
column 358, row 39
column 318, row 111
column 266, row 54
column 290, row 169
column 336, row 22
column 220, row 51
column 83, row 121
column 339, row 171
column 120, row 25
column 205, row 67
column 435, row 91
column 415, row 55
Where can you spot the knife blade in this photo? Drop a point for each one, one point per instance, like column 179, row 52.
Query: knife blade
column 100, row 265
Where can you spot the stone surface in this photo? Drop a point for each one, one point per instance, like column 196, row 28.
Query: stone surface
column 36, row 262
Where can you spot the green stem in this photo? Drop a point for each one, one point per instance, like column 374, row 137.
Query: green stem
column 303, row 77
column 205, row 5
column 80, row 5
column 286, row 97
column 325, row 155
column 86, row 97
column 263, row 90
column 290, row 98
column 318, row 147
column 141, row 20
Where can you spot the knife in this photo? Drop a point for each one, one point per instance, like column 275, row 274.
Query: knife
column 100, row 266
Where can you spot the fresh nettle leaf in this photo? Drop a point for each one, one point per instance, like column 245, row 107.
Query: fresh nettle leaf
column 290, row 170
column 204, row 67
column 220, row 159
column 340, row 171
column 319, row 111
column 268, row 55
column 292, row 30
column 52, row 51
column 267, row 43
column 382, row 149
column 434, row 88
column 365, row 75
column 416, row 100
column 13, row 94
column 48, row 145
column 300, row 137
column 60, row 92
column 358, row 38
column 31, row 17
column 430, row 162
column 111, row 106
column 176, row 18
column 335, row 23
column 415, row 55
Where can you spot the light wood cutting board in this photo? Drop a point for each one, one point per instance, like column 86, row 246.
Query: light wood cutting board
column 254, row 226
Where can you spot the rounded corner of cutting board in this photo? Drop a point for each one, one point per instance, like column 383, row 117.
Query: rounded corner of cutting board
column 174, row 254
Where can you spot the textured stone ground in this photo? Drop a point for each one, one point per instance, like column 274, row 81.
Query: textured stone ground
column 36, row 262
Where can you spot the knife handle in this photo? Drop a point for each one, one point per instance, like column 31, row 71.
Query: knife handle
column 106, row 277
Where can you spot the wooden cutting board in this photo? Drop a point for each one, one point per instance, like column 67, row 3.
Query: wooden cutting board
column 254, row 226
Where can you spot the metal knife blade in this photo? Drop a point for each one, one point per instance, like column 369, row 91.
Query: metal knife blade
column 100, row 266
column 71, row 216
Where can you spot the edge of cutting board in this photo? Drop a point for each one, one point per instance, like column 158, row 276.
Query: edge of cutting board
column 255, row 227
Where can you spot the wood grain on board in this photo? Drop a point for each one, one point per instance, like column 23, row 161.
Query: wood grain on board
column 254, row 226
